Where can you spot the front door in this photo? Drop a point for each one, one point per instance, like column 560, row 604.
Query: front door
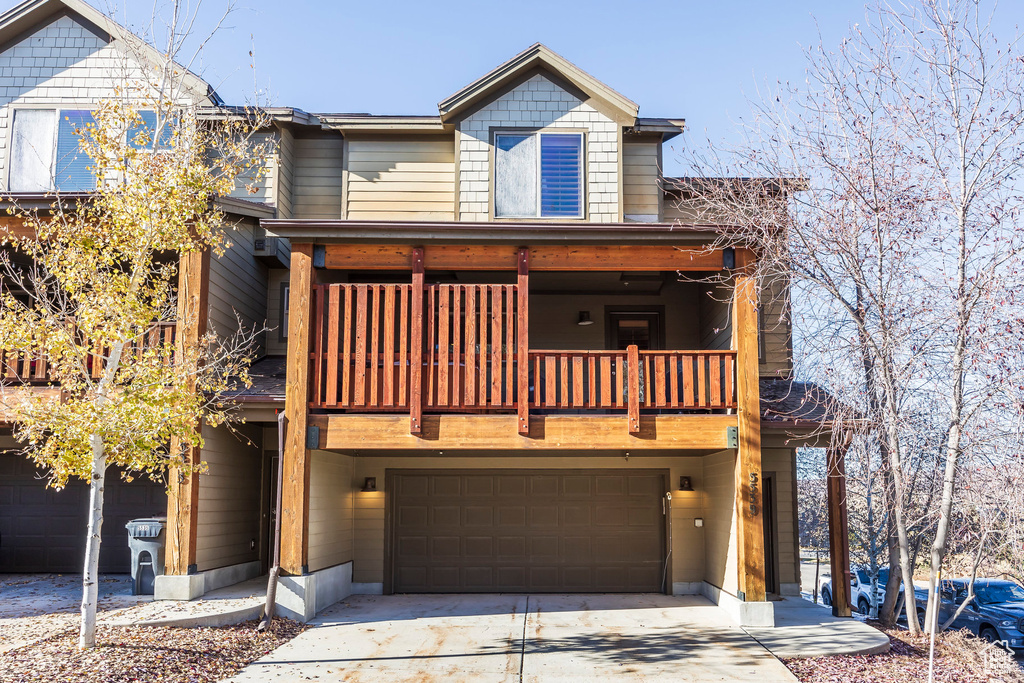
column 634, row 328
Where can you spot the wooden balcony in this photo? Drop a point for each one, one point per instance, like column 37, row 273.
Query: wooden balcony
column 19, row 367
column 463, row 349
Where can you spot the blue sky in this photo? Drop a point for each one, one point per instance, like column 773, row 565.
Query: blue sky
column 697, row 60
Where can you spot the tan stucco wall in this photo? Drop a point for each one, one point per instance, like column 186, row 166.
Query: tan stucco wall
column 719, row 510
column 331, row 502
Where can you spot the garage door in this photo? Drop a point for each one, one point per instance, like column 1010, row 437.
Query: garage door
column 513, row 531
column 42, row 530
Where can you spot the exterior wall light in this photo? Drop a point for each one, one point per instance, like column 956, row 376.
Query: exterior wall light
column 370, row 484
column 585, row 319
column 685, row 484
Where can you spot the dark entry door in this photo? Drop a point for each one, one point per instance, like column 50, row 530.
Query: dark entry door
column 770, row 550
column 493, row 531
column 639, row 328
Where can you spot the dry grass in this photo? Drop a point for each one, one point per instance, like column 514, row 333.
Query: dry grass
column 959, row 658
column 127, row 653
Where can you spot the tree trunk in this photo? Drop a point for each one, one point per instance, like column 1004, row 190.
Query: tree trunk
column 888, row 613
column 90, row 572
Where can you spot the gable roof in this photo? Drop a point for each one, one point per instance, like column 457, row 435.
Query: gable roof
column 534, row 58
column 20, row 21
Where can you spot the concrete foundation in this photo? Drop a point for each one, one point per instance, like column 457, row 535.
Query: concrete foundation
column 192, row 586
column 746, row 614
column 302, row 597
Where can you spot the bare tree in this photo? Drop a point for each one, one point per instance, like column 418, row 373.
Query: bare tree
column 883, row 188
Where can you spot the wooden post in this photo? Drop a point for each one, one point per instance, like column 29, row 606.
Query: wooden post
column 416, row 342
column 523, row 341
column 838, row 530
column 750, row 520
column 296, row 457
column 183, row 492
column 633, row 387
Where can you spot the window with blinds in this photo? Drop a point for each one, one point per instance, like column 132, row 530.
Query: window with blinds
column 46, row 152
column 538, row 175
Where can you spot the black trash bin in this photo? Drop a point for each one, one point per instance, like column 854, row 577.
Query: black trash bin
column 146, row 538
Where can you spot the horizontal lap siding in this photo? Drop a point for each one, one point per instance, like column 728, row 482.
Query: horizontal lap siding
column 238, row 283
column 317, row 177
column 407, row 179
column 285, row 173
column 640, row 189
column 256, row 184
column 777, row 332
column 229, row 497
column 330, row 510
column 715, row 318
column 275, row 345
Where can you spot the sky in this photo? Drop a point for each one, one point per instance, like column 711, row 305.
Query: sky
column 701, row 61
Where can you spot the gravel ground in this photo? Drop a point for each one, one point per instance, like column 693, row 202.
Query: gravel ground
column 959, row 658
column 127, row 653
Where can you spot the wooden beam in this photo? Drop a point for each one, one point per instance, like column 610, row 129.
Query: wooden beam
column 749, row 515
column 296, row 457
column 633, row 388
column 523, row 341
column 502, row 257
column 500, row 432
column 838, row 530
column 416, row 340
column 183, row 492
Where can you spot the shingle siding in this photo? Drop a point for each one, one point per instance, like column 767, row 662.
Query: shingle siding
column 539, row 103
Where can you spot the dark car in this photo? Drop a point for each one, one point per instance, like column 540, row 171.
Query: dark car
column 995, row 614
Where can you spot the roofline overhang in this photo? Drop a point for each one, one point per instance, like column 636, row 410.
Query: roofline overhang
column 276, row 114
column 336, row 231
column 533, row 56
column 45, row 202
column 357, row 123
column 668, row 128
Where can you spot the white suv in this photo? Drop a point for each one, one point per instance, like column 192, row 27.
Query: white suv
column 860, row 589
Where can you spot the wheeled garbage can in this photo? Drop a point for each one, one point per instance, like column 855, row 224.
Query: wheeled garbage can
column 146, row 538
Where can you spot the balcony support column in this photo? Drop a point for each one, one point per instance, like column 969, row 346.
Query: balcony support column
column 838, row 529
column 183, row 492
column 523, row 341
column 296, row 460
column 749, row 517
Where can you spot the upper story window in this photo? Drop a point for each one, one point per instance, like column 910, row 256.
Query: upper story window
column 538, row 175
column 45, row 152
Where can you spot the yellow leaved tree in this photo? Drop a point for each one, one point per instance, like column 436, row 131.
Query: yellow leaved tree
column 88, row 286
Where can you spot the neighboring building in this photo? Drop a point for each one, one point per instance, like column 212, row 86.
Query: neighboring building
column 497, row 379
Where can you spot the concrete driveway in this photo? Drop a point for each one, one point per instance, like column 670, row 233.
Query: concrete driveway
column 521, row 638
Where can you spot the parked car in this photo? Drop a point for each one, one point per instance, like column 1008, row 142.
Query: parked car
column 995, row 614
column 860, row 589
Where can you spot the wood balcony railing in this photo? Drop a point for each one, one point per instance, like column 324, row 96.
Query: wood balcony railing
column 375, row 350
column 26, row 368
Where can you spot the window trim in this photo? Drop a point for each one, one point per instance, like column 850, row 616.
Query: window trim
column 583, row 133
column 56, row 108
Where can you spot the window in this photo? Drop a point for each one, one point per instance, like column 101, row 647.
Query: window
column 538, row 175
column 45, row 152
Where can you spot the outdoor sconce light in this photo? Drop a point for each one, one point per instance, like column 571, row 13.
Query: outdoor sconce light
column 370, row 484
column 685, row 484
column 585, row 319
